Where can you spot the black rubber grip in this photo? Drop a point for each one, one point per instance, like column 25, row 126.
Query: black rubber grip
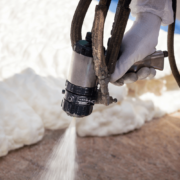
column 83, row 91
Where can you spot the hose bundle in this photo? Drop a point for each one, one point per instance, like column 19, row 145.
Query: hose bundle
column 170, row 42
column 104, row 64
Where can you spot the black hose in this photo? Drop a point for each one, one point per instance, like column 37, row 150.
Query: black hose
column 79, row 16
column 119, row 25
column 172, row 60
column 77, row 21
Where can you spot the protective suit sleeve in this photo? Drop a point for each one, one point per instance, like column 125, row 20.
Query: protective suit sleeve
column 161, row 8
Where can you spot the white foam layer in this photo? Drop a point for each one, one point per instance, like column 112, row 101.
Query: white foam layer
column 19, row 124
column 131, row 114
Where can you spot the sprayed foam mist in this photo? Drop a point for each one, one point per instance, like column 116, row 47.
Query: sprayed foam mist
column 62, row 163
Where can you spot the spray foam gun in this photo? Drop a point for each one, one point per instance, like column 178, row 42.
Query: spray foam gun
column 92, row 65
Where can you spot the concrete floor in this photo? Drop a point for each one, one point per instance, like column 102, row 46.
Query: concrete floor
column 150, row 153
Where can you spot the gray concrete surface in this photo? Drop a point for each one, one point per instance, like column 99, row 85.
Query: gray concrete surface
column 150, row 153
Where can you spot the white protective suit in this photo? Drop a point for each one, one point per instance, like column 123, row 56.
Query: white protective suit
column 141, row 40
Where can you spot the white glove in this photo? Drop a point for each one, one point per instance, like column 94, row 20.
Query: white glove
column 143, row 73
column 139, row 42
column 161, row 8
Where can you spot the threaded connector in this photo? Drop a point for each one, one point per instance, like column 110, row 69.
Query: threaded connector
column 165, row 53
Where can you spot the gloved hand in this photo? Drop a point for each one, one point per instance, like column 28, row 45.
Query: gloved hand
column 139, row 42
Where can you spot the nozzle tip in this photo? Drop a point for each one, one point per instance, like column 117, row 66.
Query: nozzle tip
column 115, row 100
column 165, row 53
